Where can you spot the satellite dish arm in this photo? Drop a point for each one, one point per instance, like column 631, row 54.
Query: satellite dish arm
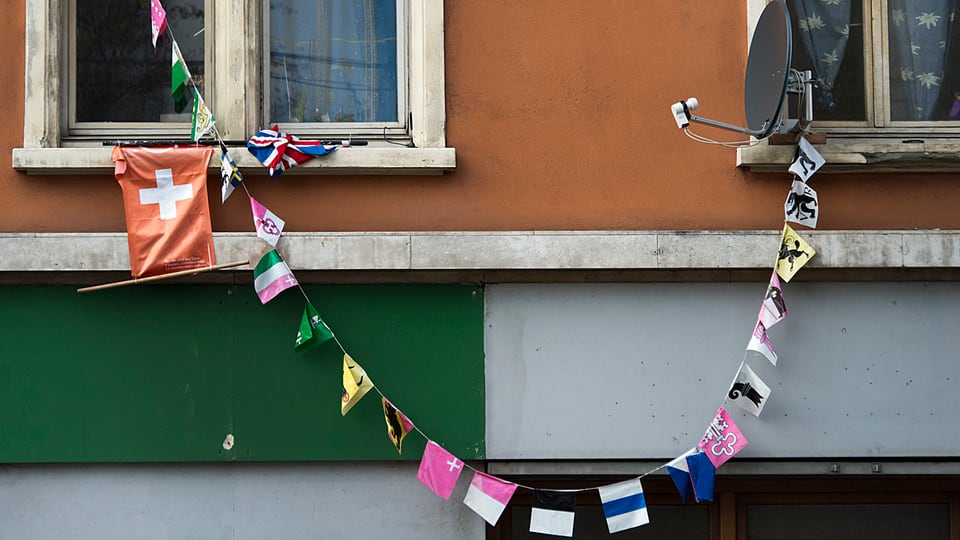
column 681, row 113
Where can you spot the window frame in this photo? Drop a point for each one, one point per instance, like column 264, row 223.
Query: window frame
column 98, row 131
column 235, row 66
column 875, row 145
column 387, row 130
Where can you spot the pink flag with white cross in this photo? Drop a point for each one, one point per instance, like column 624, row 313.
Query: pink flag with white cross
column 439, row 470
column 722, row 440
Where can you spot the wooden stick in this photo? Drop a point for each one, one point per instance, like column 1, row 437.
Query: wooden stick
column 135, row 281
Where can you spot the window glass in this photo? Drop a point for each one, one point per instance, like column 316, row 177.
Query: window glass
column 828, row 40
column 333, row 61
column 667, row 522
column 118, row 75
column 848, row 522
column 924, row 55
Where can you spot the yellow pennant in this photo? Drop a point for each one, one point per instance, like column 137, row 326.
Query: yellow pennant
column 356, row 384
column 794, row 253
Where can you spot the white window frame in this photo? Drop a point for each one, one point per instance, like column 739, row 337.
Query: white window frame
column 235, row 66
column 877, row 144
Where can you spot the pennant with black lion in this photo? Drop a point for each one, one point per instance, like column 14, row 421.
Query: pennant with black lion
column 398, row 425
column 794, row 253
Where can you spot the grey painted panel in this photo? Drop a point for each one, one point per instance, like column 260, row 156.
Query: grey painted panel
column 636, row 371
column 228, row 502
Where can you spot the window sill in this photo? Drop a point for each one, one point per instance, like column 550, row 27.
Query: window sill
column 859, row 155
column 352, row 161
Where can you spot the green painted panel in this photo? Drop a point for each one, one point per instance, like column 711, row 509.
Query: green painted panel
column 165, row 372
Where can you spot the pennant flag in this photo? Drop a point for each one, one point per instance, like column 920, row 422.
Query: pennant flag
column 702, row 473
column 280, row 151
column 439, row 470
column 802, row 205
column 553, row 512
column 794, row 253
column 722, row 440
column 230, row 176
column 488, row 496
column 179, row 75
column 680, row 474
column 268, row 225
column 807, row 160
column 158, row 20
column 774, row 307
column 749, row 392
column 356, row 384
column 761, row 344
column 398, row 425
column 203, row 119
column 624, row 505
column 313, row 331
column 272, row 276
column 166, row 208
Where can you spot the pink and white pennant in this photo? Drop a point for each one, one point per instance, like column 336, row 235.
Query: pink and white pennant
column 722, row 440
column 268, row 225
column 158, row 20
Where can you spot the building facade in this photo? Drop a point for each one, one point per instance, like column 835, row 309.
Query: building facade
column 528, row 257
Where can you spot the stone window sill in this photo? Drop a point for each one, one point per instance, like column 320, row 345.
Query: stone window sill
column 860, row 155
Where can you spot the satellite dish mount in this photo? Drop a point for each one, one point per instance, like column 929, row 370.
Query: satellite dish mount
column 768, row 80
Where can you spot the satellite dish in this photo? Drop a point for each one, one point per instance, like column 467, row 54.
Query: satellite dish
column 768, row 68
column 766, row 82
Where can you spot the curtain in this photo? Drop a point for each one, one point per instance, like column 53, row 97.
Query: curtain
column 333, row 61
column 919, row 43
column 824, row 27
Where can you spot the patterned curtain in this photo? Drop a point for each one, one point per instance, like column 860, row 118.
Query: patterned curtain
column 919, row 38
column 824, row 29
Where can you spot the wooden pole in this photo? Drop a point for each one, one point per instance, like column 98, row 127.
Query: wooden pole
column 136, row 281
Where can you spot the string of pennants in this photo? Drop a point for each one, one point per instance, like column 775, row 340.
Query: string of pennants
column 553, row 511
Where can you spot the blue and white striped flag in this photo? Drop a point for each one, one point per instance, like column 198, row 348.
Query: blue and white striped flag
column 624, row 505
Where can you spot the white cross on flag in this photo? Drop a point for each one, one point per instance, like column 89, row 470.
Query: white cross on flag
column 166, row 208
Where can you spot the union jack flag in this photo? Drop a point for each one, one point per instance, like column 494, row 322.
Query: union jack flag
column 280, row 151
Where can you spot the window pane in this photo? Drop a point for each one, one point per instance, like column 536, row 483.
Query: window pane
column 667, row 522
column 119, row 75
column 924, row 53
column 848, row 522
column 333, row 61
column 828, row 40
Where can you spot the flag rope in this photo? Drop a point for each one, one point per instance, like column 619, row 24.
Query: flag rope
column 219, row 139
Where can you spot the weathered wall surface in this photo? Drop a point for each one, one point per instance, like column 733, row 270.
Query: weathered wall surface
column 560, row 116
column 636, row 371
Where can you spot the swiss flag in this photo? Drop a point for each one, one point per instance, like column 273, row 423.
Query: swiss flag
column 165, row 202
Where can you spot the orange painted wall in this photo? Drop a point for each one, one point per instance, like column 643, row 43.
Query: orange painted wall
column 559, row 111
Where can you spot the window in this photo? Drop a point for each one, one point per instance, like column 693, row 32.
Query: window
column 336, row 64
column 119, row 83
column 376, row 74
column 880, row 63
column 888, row 75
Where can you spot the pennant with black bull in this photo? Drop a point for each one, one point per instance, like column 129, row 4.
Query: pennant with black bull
column 749, row 392
column 794, row 253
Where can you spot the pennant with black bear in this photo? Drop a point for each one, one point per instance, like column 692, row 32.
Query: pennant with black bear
column 398, row 425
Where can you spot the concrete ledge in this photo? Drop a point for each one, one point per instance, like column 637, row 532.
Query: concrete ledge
column 860, row 155
column 527, row 250
column 356, row 160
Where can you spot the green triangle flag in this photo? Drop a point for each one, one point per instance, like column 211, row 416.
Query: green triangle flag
column 313, row 331
column 179, row 75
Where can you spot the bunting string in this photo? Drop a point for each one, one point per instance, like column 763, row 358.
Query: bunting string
column 692, row 472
